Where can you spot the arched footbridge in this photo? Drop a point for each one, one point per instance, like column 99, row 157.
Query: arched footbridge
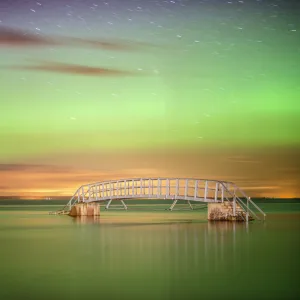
column 187, row 189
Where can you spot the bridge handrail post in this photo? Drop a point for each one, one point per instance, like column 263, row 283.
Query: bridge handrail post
column 205, row 190
column 152, row 186
column 125, row 187
column 89, row 187
column 222, row 193
column 216, row 191
column 158, row 187
column 149, row 187
column 196, row 189
column 234, row 203
column 247, row 213
column 133, row 187
column 167, row 187
column 82, row 191
column 97, row 189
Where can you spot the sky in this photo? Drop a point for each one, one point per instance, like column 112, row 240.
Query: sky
column 97, row 90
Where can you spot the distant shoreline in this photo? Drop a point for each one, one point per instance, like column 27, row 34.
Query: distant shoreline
column 134, row 201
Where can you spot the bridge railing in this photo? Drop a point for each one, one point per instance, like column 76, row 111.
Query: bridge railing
column 235, row 195
column 169, row 188
column 160, row 188
column 248, row 203
column 190, row 189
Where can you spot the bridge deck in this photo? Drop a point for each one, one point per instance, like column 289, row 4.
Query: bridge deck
column 187, row 189
column 152, row 197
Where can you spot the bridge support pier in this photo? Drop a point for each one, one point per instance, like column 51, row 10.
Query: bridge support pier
column 85, row 209
column 110, row 201
column 173, row 204
column 175, row 201
column 225, row 211
column 108, row 204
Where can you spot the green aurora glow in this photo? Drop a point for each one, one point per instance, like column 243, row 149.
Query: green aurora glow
column 221, row 80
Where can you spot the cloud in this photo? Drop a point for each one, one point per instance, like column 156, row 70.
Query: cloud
column 243, row 159
column 18, row 38
column 106, row 44
column 73, row 69
column 260, row 187
column 33, row 168
column 10, row 37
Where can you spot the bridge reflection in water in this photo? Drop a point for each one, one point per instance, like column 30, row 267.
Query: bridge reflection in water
column 182, row 248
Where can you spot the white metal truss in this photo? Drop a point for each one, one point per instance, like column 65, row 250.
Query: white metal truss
column 187, row 189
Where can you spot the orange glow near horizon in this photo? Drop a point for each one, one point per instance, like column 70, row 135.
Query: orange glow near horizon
column 258, row 173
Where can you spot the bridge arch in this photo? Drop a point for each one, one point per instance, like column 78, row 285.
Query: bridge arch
column 187, row 189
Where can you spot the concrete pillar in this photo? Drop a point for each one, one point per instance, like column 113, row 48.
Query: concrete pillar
column 216, row 212
column 85, row 209
column 225, row 212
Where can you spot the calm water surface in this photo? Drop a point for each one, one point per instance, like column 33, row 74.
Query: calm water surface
column 146, row 254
